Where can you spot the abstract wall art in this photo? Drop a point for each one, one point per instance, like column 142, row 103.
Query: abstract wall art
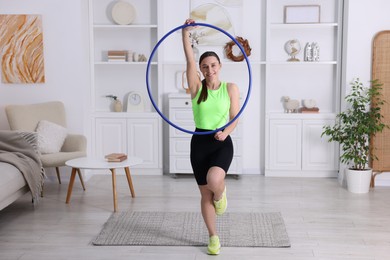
column 21, row 49
column 225, row 14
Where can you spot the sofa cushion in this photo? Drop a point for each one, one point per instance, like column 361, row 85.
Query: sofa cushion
column 59, row 159
column 51, row 136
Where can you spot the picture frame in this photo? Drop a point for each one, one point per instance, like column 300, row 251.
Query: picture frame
column 302, row 14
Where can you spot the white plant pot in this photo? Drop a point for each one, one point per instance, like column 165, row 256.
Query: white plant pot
column 358, row 181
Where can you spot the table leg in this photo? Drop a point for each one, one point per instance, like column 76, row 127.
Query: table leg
column 71, row 182
column 127, row 170
column 81, row 179
column 114, row 189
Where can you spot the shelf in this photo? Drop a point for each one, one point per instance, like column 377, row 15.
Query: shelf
column 133, row 26
column 302, row 25
column 324, row 115
column 225, row 62
column 133, row 63
column 298, row 63
column 105, row 114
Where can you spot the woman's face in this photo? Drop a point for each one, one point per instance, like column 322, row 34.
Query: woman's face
column 210, row 67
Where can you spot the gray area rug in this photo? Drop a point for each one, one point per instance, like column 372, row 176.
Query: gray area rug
column 188, row 229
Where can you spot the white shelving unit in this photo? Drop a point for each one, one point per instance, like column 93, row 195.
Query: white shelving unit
column 135, row 133
column 294, row 146
column 272, row 77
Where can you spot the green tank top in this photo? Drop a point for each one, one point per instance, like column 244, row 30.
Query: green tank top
column 214, row 112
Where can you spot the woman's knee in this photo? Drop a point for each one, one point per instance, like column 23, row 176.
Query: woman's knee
column 215, row 177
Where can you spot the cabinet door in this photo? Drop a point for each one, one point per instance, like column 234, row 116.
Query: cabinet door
column 110, row 136
column 143, row 140
column 285, row 144
column 317, row 152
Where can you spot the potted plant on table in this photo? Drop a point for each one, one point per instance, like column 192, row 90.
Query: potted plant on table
column 353, row 129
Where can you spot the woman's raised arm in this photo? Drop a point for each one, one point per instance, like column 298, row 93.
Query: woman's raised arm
column 193, row 79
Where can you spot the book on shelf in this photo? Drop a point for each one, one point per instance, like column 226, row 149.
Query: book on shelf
column 116, row 55
column 116, row 59
column 310, row 110
column 115, row 157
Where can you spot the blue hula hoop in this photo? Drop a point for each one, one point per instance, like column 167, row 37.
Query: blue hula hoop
column 148, row 85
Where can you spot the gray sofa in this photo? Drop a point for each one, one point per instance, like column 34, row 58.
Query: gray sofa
column 12, row 184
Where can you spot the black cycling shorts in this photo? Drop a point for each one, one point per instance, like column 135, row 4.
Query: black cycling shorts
column 207, row 152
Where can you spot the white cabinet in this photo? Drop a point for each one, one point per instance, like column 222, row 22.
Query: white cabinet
column 317, row 153
column 140, row 137
column 135, row 133
column 180, row 113
column 111, row 136
column 296, row 148
column 285, row 145
column 143, row 138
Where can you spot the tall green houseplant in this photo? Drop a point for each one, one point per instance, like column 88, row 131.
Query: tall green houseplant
column 355, row 126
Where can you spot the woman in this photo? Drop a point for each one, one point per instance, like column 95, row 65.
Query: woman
column 214, row 103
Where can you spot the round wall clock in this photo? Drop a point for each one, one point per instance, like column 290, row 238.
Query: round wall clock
column 135, row 102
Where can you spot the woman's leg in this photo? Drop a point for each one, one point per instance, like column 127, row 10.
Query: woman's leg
column 207, row 208
column 216, row 181
column 211, row 191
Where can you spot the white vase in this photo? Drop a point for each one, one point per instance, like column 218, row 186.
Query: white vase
column 117, row 106
column 358, row 181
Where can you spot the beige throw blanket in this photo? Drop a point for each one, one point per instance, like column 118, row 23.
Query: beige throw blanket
column 20, row 149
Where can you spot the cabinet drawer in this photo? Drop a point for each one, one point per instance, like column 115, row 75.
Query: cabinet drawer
column 181, row 103
column 173, row 132
column 181, row 146
column 182, row 164
column 178, row 116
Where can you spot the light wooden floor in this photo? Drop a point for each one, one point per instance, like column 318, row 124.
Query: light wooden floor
column 323, row 220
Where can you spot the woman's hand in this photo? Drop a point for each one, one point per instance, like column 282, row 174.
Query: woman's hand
column 220, row 136
column 189, row 21
column 187, row 29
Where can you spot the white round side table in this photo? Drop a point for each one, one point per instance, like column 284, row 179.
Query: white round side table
column 101, row 164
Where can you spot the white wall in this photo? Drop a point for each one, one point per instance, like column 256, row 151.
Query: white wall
column 364, row 20
column 65, row 36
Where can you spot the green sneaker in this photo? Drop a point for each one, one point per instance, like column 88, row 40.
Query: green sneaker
column 214, row 246
column 221, row 205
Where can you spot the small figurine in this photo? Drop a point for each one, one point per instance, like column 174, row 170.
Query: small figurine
column 316, row 52
column 142, row 58
column 290, row 105
column 309, row 103
column 308, row 52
